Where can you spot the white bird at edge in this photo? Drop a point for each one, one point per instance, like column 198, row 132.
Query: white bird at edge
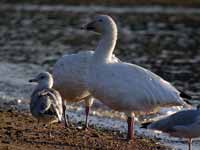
column 123, row 86
column 69, row 74
column 46, row 103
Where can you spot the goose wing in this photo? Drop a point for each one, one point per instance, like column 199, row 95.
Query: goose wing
column 56, row 102
column 179, row 119
column 40, row 103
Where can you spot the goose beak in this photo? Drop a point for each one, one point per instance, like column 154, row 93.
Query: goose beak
column 33, row 80
column 90, row 26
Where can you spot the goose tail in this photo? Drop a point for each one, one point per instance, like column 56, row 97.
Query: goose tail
column 184, row 95
column 186, row 98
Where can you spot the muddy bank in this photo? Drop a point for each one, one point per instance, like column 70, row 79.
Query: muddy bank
column 19, row 130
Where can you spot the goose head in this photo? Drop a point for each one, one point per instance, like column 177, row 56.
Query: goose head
column 44, row 80
column 102, row 24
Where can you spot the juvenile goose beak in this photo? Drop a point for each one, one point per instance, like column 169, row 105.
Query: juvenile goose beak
column 33, row 80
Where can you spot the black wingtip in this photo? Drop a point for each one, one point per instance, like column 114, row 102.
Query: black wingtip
column 184, row 95
column 145, row 125
column 188, row 102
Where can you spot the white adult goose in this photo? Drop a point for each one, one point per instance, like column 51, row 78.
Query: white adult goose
column 123, row 86
column 69, row 75
column 46, row 103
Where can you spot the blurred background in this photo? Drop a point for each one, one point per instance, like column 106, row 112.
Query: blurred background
column 160, row 35
column 194, row 3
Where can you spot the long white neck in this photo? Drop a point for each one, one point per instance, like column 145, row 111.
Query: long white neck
column 103, row 52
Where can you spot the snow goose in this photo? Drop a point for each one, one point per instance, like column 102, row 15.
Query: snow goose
column 69, row 74
column 46, row 103
column 123, row 86
column 184, row 124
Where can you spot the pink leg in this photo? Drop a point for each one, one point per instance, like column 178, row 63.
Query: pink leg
column 87, row 111
column 130, row 122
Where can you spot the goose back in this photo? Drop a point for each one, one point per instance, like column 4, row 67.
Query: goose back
column 181, row 124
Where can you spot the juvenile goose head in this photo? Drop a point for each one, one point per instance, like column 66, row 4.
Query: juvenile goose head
column 102, row 24
column 44, row 80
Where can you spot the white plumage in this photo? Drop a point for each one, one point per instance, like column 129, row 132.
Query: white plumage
column 124, row 86
column 70, row 73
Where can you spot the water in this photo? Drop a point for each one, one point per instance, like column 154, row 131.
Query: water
column 164, row 40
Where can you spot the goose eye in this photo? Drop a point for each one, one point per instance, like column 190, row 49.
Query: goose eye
column 100, row 20
column 42, row 77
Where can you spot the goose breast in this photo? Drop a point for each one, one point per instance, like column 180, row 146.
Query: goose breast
column 70, row 73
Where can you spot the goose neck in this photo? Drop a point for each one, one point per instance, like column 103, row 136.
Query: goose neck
column 105, row 48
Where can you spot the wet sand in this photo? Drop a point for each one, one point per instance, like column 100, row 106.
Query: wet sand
column 19, row 131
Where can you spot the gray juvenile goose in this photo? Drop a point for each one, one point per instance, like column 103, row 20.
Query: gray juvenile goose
column 184, row 124
column 46, row 103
